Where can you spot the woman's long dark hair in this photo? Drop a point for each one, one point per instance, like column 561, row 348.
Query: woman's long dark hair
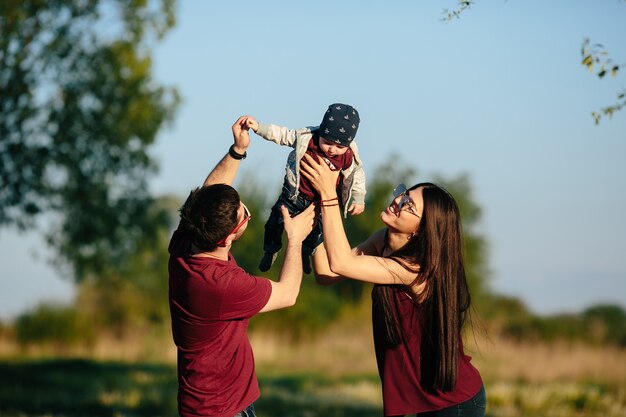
column 437, row 248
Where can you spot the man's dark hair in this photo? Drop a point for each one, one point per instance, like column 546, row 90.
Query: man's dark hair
column 209, row 214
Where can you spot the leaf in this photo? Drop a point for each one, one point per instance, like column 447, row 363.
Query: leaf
column 588, row 60
column 602, row 73
column 596, row 117
column 614, row 70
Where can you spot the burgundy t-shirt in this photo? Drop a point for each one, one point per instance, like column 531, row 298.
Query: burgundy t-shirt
column 211, row 302
column 339, row 162
column 399, row 367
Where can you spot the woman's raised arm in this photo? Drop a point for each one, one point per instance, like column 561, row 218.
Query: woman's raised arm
column 342, row 260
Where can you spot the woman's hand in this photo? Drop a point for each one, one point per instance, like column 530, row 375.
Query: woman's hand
column 323, row 179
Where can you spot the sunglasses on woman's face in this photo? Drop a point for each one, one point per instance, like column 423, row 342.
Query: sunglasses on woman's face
column 246, row 217
column 405, row 200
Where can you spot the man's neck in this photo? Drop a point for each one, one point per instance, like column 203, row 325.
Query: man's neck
column 221, row 252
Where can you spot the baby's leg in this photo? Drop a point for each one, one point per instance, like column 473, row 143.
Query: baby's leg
column 315, row 238
column 272, row 240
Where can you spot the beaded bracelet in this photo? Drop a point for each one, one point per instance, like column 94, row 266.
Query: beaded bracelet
column 330, row 205
column 330, row 199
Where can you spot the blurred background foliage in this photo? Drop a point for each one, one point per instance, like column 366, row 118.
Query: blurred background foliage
column 125, row 298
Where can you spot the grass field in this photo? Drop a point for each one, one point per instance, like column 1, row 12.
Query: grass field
column 521, row 379
column 333, row 374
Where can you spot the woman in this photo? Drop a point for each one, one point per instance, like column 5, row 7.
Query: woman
column 419, row 299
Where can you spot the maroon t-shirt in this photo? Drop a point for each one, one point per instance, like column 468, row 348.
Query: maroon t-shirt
column 337, row 163
column 400, row 366
column 211, row 302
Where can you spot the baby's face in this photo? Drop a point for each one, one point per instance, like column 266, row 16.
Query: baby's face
column 332, row 149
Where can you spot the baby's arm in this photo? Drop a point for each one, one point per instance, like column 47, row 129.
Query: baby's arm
column 358, row 192
column 356, row 209
column 277, row 134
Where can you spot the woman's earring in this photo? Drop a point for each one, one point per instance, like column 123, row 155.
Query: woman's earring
column 410, row 236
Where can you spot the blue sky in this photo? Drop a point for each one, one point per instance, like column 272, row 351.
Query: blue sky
column 499, row 95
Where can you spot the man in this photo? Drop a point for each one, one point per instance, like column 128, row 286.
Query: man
column 212, row 299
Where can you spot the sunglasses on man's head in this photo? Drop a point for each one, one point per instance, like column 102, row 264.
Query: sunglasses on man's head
column 246, row 216
column 405, row 200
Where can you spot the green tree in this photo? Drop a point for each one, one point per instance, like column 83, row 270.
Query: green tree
column 606, row 323
column 59, row 325
column 509, row 316
column 131, row 295
column 78, row 111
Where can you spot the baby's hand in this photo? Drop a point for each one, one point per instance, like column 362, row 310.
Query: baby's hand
column 251, row 123
column 356, row 209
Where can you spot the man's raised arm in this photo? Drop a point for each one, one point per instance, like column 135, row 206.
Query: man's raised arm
column 226, row 170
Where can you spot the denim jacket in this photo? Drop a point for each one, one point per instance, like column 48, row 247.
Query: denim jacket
column 353, row 185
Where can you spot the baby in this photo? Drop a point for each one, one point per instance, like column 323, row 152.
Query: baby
column 332, row 142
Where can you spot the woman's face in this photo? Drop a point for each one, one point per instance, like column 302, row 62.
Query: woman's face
column 405, row 211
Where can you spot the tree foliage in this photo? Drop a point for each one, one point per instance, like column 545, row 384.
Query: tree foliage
column 60, row 325
column 606, row 323
column 78, row 111
column 600, row 324
column 132, row 294
column 455, row 13
column 595, row 57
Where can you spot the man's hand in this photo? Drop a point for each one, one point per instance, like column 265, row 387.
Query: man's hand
column 356, row 209
column 252, row 124
column 241, row 135
column 298, row 227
